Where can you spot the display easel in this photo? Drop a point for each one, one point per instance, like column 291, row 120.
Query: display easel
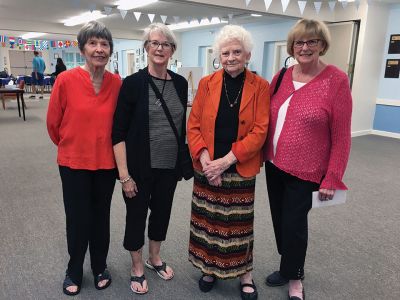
column 193, row 76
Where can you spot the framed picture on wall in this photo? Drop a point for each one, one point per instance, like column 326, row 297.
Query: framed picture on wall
column 115, row 56
column 56, row 55
column 394, row 44
column 392, row 69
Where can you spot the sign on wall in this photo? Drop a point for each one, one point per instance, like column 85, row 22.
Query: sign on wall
column 394, row 44
column 392, row 69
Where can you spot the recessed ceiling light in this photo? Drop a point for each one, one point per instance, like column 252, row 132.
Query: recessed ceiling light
column 84, row 18
column 256, row 15
column 32, row 35
column 131, row 4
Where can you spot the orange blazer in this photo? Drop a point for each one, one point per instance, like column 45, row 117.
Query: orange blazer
column 253, row 121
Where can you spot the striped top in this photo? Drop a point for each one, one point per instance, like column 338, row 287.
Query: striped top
column 163, row 145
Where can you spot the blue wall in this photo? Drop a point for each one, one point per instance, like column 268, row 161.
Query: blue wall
column 387, row 118
column 262, row 54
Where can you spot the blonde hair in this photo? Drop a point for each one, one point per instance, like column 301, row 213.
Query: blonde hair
column 308, row 28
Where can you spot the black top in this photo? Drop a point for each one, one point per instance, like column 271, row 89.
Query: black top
column 131, row 120
column 227, row 121
column 59, row 69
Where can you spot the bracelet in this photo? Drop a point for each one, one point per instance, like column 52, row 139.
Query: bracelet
column 125, row 180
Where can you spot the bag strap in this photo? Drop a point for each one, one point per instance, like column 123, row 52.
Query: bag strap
column 280, row 77
column 165, row 108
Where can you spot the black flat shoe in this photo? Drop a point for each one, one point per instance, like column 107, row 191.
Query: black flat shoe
column 297, row 298
column 248, row 296
column 68, row 283
column 206, row 286
column 276, row 279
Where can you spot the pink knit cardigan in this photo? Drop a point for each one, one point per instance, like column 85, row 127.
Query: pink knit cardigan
column 316, row 136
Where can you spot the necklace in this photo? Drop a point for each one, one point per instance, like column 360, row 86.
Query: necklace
column 158, row 101
column 232, row 104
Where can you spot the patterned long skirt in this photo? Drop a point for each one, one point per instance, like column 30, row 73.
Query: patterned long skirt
column 221, row 226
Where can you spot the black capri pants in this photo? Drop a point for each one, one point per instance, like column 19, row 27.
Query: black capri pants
column 290, row 200
column 156, row 194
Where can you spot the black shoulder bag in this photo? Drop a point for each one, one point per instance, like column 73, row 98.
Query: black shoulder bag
column 278, row 82
column 184, row 162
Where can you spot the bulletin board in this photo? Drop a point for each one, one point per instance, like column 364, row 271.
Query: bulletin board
column 193, row 76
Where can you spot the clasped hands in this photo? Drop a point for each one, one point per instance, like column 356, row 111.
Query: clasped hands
column 214, row 168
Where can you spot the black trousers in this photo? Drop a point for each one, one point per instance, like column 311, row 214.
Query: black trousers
column 157, row 194
column 290, row 200
column 87, row 200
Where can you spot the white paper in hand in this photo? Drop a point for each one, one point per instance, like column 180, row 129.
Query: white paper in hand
column 338, row 198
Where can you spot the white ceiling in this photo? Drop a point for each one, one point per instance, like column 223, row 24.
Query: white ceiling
column 21, row 16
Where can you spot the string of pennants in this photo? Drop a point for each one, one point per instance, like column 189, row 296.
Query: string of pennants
column 302, row 4
column 21, row 44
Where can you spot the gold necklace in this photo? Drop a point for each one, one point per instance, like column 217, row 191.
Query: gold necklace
column 232, row 104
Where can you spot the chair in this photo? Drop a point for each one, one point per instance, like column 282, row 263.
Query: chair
column 10, row 96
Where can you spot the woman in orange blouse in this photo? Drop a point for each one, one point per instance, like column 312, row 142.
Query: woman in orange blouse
column 226, row 130
column 79, row 122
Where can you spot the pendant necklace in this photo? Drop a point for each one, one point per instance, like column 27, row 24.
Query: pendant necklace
column 232, row 104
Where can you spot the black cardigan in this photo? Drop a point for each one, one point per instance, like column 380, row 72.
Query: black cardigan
column 131, row 120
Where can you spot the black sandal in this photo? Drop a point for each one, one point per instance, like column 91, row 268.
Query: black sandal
column 140, row 280
column 100, row 277
column 159, row 269
column 206, row 286
column 248, row 296
column 68, row 283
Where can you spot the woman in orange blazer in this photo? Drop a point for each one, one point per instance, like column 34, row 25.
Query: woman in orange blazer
column 226, row 130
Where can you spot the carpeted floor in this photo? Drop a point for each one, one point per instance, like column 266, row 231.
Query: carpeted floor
column 354, row 249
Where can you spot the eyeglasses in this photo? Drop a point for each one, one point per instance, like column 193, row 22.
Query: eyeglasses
column 310, row 43
column 165, row 45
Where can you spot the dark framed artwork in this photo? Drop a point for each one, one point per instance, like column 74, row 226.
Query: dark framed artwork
column 394, row 44
column 392, row 69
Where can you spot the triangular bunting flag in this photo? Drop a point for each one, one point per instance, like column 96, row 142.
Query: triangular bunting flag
column 151, row 17
column 247, row 2
column 176, row 19
column 107, row 10
column 357, row 4
column 332, row 5
column 76, row 3
column 344, row 4
column 137, row 15
column 92, row 7
column 302, row 6
column 164, row 19
column 317, row 6
column 267, row 4
column 285, row 4
column 123, row 13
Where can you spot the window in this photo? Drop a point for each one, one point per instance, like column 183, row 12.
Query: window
column 69, row 60
column 80, row 60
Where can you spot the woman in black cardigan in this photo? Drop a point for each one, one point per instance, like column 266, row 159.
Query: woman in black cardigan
column 146, row 151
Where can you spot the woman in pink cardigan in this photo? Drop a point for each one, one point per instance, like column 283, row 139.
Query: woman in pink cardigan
column 307, row 147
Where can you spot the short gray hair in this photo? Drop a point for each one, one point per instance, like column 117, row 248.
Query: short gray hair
column 230, row 33
column 164, row 30
column 94, row 29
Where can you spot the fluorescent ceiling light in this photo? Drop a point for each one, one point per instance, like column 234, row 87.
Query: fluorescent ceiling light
column 32, row 35
column 256, row 15
column 346, row 0
column 131, row 4
column 84, row 18
column 196, row 24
